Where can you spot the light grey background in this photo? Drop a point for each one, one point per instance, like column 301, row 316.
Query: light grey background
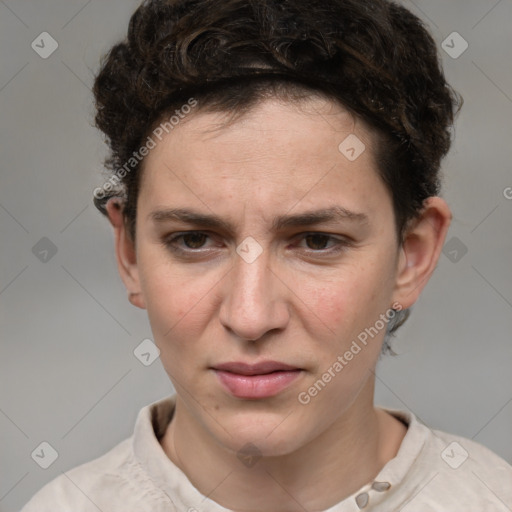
column 68, row 373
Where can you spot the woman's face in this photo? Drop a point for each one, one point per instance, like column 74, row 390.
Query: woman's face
column 264, row 286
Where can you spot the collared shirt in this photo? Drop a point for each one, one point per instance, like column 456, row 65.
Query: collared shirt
column 432, row 472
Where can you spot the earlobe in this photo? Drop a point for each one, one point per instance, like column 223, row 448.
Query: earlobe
column 420, row 250
column 125, row 253
column 137, row 300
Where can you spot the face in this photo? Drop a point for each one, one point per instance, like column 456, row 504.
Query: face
column 250, row 312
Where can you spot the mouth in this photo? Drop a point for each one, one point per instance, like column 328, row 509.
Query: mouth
column 256, row 381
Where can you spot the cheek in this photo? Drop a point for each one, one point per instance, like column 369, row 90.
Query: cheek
column 173, row 298
column 345, row 302
column 342, row 315
column 330, row 303
column 174, row 310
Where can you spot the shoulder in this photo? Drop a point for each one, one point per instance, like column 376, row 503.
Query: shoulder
column 82, row 487
column 455, row 473
column 116, row 482
column 122, row 479
column 474, row 459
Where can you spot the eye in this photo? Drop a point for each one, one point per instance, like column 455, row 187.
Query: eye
column 317, row 242
column 193, row 240
column 194, row 243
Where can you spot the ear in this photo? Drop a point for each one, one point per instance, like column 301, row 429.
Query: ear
column 125, row 253
column 419, row 254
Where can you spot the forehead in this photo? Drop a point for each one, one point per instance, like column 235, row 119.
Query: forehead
column 313, row 128
column 278, row 153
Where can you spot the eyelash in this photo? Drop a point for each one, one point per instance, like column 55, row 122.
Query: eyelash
column 341, row 244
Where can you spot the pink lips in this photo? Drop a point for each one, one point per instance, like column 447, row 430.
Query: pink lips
column 261, row 380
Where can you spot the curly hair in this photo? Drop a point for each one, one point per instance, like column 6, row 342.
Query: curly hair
column 374, row 57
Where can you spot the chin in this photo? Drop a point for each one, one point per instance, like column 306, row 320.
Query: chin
column 272, row 434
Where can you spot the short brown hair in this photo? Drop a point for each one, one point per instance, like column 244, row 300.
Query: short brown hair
column 374, row 57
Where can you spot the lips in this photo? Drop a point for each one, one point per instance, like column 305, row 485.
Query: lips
column 256, row 381
column 262, row 368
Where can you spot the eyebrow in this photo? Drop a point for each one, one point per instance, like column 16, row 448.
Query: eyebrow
column 330, row 215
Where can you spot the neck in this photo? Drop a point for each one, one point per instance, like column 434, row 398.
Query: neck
column 334, row 465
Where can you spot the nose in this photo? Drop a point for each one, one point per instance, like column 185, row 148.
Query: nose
column 254, row 299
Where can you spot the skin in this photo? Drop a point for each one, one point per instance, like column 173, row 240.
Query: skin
column 299, row 302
